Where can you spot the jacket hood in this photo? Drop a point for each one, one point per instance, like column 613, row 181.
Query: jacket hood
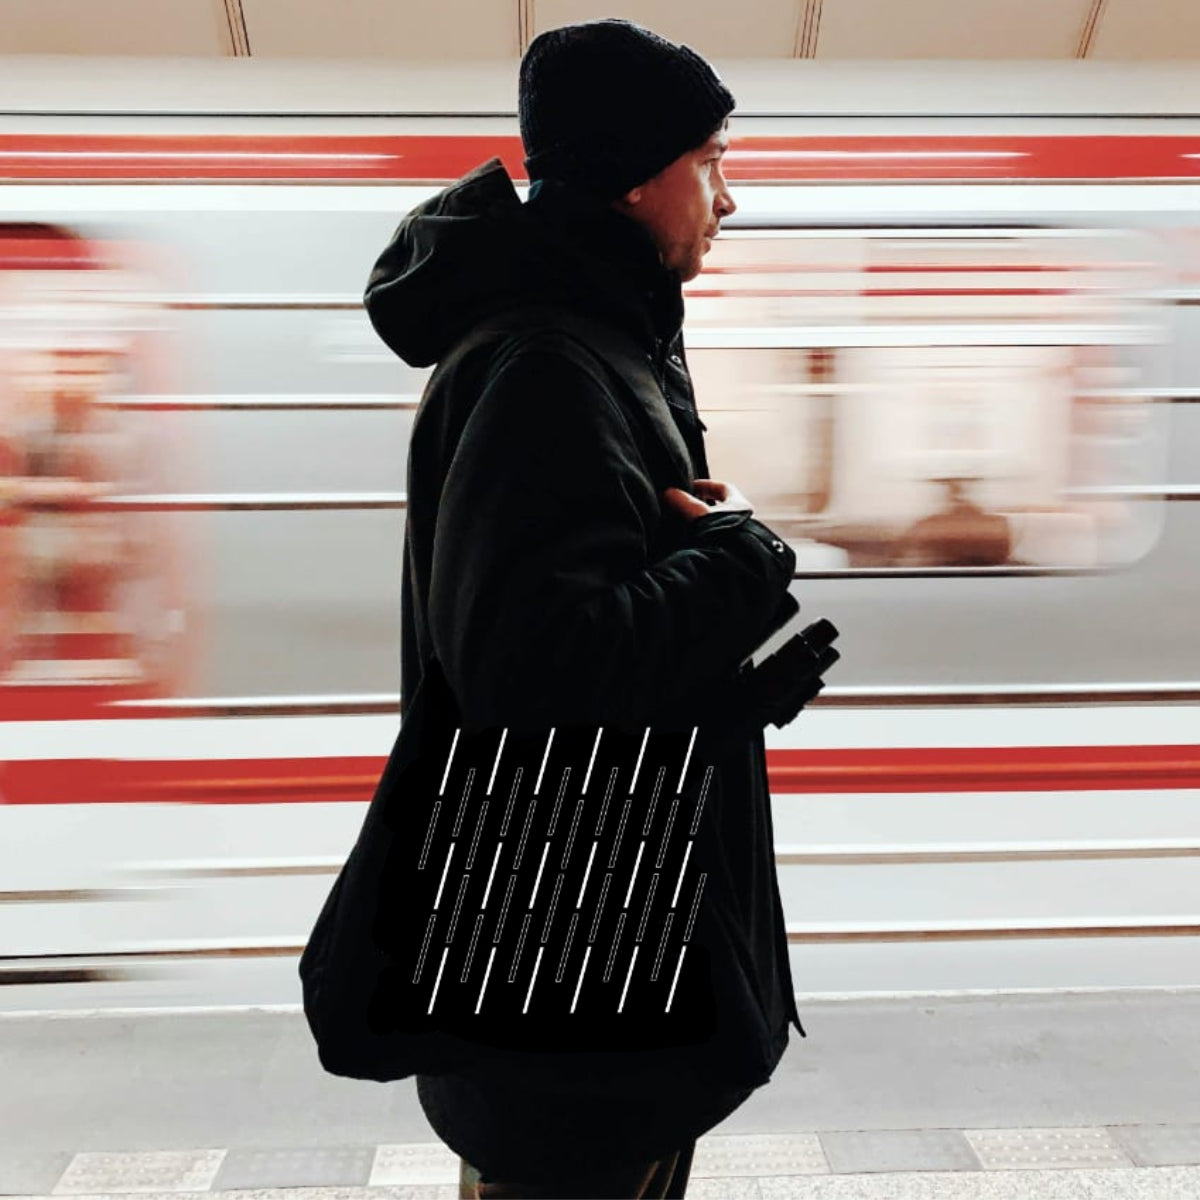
column 475, row 250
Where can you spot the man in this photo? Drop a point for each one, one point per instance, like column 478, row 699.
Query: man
column 567, row 559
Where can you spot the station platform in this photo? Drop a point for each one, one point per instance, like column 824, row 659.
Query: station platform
column 1072, row 1096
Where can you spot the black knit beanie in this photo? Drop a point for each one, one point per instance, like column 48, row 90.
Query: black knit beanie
column 607, row 104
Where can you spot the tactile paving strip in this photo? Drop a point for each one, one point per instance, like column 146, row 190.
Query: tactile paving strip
column 415, row 1162
column 94, row 1172
column 1014, row 1149
column 726, row 1166
column 749, row 1154
column 1114, row 1183
column 727, row 1188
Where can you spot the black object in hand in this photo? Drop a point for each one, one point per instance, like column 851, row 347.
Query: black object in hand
column 781, row 685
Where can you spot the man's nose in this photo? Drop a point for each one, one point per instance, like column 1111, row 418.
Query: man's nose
column 724, row 206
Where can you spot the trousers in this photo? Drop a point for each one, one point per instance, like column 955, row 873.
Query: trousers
column 665, row 1179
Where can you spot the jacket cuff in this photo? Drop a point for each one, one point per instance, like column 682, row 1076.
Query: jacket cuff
column 713, row 526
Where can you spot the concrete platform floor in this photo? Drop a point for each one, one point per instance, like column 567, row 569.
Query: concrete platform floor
column 1062, row 1095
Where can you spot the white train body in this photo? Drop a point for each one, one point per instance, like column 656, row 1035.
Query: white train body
column 1001, row 789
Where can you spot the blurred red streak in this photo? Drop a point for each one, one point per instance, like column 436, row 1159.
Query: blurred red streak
column 435, row 159
column 939, row 770
column 890, row 293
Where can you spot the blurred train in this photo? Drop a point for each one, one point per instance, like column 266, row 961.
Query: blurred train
column 949, row 345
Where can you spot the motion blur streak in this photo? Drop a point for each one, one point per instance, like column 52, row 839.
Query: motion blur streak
column 86, row 604
column 957, row 371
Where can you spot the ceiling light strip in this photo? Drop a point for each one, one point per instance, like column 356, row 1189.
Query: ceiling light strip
column 238, row 37
column 1088, row 36
column 808, row 30
column 525, row 24
column 814, row 29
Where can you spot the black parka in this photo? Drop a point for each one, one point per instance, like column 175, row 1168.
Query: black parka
column 546, row 575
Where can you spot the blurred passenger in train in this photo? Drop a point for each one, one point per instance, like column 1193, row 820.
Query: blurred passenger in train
column 568, row 561
column 960, row 534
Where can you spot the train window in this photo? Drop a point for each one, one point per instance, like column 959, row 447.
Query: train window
column 90, row 602
column 954, row 398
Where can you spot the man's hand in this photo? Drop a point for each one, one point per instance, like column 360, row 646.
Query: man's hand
column 706, row 496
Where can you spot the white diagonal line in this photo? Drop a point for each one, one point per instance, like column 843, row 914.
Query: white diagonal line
column 700, row 802
column 462, row 804
column 424, row 946
column 445, row 872
column 516, row 962
column 487, row 972
column 571, row 833
column 658, row 782
column 649, row 902
column 612, row 956
column 487, row 891
column 449, row 760
column 437, row 981
column 562, row 962
column 496, row 764
column 600, row 906
column 612, row 858
column 678, row 968
column 662, row 850
column 553, row 907
column 462, row 890
column 628, row 977
column 687, row 933
column 471, row 949
column 533, row 980
column 538, row 879
column 582, row 970
column 508, row 891
column 633, row 876
column 525, row 832
column 583, row 886
column 679, row 882
column 437, row 807
column 537, row 786
column 478, row 830
column 591, row 761
column 638, row 767
column 687, row 758
column 612, row 783
column 562, row 791
column 662, row 945
column 512, row 799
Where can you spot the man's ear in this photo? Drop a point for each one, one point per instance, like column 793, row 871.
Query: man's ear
column 630, row 200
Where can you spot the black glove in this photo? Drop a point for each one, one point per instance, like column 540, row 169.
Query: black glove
column 774, row 691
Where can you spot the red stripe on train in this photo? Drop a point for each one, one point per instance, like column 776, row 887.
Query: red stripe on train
column 273, row 781
column 439, row 158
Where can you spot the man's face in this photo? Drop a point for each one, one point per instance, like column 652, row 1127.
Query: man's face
column 682, row 206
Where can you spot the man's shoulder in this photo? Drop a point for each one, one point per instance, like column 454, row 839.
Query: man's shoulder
column 533, row 342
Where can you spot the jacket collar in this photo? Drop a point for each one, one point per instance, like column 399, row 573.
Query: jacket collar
column 619, row 276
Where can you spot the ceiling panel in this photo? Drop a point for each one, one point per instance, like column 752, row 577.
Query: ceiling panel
column 449, row 29
column 952, row 28
column 761, row 29
column 111, row 27
column 1148, row 29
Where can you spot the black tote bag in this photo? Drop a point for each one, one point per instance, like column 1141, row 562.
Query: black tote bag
column 541, row 893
